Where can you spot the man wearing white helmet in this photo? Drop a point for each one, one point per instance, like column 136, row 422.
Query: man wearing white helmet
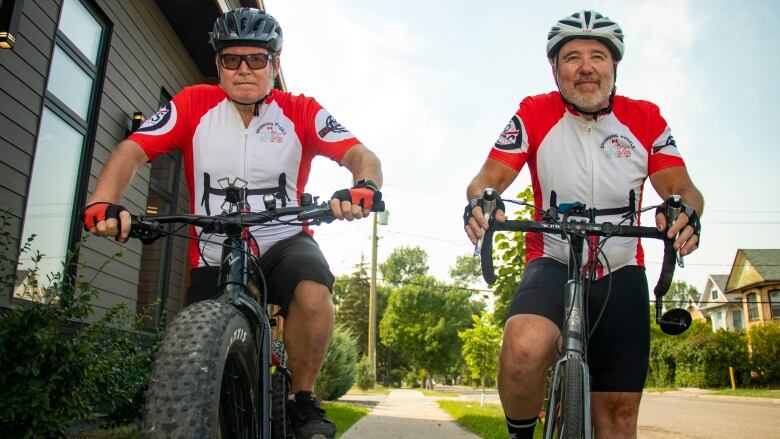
column 589, row 145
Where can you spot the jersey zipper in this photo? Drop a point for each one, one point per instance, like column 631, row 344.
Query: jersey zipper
column 592, row 165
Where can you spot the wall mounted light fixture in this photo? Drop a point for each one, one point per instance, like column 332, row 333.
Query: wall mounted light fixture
column 135, row 123
column 10, row 14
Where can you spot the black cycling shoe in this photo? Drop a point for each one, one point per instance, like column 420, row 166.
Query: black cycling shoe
column 307, row 418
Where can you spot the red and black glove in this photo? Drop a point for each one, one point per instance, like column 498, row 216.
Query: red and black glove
column 365, row 194
column 100, row 211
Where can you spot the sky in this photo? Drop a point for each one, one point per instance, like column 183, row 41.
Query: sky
column 429, row 85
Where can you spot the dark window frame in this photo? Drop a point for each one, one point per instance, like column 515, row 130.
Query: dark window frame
column 752, row 305
column 170, row 195
column 87, row 128
column 774, row 304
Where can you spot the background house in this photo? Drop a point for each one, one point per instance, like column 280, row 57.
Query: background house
column 76, row 73
column 755, row 279
column 723, row 310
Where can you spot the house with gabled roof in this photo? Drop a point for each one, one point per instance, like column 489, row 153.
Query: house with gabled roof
column 755, row 278
column 723, row 310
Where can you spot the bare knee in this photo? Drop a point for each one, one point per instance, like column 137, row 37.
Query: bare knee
column 528, row 347
column 311, row 298
column 615, row 413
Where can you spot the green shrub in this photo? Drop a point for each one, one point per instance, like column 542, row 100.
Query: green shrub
column 338, row 372
column 703, row 360
column 765, row 355
column 48, row 380
column 365, row 376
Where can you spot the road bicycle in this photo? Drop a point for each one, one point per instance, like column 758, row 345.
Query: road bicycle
column 218, row 373
column 568, row 393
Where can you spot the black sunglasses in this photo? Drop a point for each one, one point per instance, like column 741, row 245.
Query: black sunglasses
column 254, row 61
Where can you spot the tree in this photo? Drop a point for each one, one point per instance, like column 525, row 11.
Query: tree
column 481, row 344
column 404, row 264
column 352, row 311
column 679, row 294
column 422, row 321
column 510, row 266
column 466, row 270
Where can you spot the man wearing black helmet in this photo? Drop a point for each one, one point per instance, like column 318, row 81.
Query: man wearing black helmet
column 588, row 145
column 243, row 128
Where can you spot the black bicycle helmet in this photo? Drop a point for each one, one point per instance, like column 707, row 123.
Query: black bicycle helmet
column 246, row 27
column 587, row 25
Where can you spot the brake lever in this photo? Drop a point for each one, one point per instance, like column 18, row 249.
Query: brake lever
column 673, row 209
column 489, row 198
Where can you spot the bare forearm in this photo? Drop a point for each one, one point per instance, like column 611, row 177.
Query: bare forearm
column 118, row 171
column 692, row 197
column 363, row 164
column 493, row 175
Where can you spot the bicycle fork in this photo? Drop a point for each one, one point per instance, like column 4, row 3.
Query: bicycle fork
column 572, row 356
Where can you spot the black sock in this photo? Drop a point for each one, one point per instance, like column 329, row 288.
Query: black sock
column 521, row 428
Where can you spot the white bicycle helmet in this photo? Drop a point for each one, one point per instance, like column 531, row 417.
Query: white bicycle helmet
column 587, row 25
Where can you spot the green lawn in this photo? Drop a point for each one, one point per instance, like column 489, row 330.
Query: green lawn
column 355, row 390
column 761, row 393
column 343, row 415
column 438, row 393
column 486, row 422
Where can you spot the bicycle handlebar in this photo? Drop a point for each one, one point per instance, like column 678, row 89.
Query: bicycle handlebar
column 580, row 228
column 149, row 229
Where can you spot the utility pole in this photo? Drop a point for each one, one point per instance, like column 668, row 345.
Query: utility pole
column 372, row 301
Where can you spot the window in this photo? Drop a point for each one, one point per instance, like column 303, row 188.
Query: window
column 736, row 317
column 715, row 293
column 155, row 285
column 774, row 302
column 65, row 134
column 752, row 306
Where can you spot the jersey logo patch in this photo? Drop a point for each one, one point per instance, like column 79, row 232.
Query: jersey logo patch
column 162, row 121
column 329, row 129
column 271, row 132
column 512, row 136
column 669, row 142
column 617, row 146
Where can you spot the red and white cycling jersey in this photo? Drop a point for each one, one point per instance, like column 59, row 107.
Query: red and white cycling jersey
column 593, row 162
column 273, row 154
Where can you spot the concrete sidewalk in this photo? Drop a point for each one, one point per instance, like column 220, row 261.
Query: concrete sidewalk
column 407, row 414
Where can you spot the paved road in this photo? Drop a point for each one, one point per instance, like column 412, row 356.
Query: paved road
column 682, row 415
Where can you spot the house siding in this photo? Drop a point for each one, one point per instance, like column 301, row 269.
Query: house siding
column 23, row 72
column 144, row 55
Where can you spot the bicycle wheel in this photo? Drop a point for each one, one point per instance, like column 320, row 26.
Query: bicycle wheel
column 572, row 408
column 204, row 376
column 280, row 386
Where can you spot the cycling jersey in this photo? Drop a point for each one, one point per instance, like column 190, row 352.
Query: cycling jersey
column 272, row 155
column 595, row 162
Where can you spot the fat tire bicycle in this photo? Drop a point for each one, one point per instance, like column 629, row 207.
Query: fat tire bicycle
column 568, row 393
column 218, row 373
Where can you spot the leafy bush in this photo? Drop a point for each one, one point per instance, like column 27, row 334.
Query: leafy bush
column 705, row 358
column 765, row 355
column 48, row 380
column 365, row 376
column 338, row 371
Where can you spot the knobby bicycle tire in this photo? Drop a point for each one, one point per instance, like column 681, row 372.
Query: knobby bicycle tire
column 572, row 404
column 280, row 386
column 204, row 377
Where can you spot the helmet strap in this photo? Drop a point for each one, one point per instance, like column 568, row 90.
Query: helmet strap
column 257, row 104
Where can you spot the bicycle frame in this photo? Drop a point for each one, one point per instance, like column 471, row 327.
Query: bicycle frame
column 574, row 340
column 237, row 275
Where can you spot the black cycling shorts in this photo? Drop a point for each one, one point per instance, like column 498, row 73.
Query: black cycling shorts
column 619, row 349
column 284, row 265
